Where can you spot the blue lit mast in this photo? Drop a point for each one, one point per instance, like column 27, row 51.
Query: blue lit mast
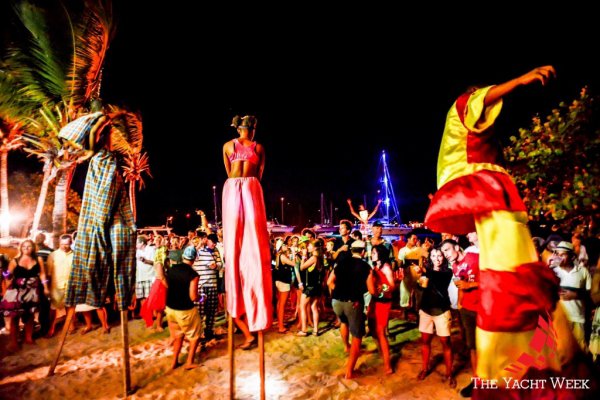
column 390, row 205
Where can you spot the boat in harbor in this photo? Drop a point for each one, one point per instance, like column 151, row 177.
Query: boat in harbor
column 274, row 227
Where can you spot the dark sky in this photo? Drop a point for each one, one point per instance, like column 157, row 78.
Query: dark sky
column 330, row 94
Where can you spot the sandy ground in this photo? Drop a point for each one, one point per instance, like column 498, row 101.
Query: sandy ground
column 296, row 368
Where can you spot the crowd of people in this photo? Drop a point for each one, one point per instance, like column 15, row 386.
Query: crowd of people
column 179, row 283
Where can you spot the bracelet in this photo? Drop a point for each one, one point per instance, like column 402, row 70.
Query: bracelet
column 45, row 281
column 6, row 274
column 300, row 284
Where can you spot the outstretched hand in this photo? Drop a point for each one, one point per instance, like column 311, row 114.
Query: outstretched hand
column 541, row 74
column 348, row 201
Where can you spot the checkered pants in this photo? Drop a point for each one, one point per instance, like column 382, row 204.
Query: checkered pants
column 208, row 308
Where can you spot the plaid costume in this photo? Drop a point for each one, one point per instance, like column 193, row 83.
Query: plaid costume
column 104, row 251
column 76, row 132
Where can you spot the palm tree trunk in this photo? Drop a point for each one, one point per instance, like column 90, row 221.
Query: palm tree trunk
column 132, row 200
column 59, row 213
column 4, row 210
column 41, row 198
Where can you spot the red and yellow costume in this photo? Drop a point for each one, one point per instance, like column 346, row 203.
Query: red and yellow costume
column 518, row 293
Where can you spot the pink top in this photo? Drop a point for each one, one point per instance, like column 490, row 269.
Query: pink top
column 244, row 153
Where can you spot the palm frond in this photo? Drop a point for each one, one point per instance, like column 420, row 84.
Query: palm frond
column 12, row 105
column 94, row 32
column 39, row 69
column 126, row 131
column 136, row 164
column 10, row 134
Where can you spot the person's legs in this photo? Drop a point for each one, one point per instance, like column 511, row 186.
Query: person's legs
column 101, row 312
column 52, row 322
column 157, row 325
column 354, row 353
column 87, row 316
column 281, row 300
column 314, row 305
column 29, row 330
column 425, row 354
column 448, row 359
column 192, row 352
column 303, row 317
column 177, row 343
column 14, row 333
column 241, row 323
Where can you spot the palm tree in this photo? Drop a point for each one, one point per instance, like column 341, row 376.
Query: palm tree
column 60, row 86
column 135, row 165
column 127, row 137
column 10, row 139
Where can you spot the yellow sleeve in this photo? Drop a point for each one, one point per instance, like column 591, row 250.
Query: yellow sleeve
column 478, row 118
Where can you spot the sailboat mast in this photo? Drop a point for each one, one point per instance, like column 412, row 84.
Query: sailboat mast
column 322, row 209
column 389, row 198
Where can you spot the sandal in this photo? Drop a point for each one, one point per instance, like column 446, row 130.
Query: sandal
column 422, row 375
column 282, row 331
column 315, row 333
column 247, row 345
column 301, row 333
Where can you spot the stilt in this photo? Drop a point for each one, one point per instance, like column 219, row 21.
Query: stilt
column 261, row 361
column 126, row 369
column 63, row 336
column 230, row 348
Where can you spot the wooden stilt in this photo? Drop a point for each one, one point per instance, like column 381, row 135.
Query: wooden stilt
column 126, row 369
column 63, row 337
column 261, row 361
column 231, row 360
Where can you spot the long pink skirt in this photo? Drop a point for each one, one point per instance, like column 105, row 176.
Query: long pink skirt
column 247, row 254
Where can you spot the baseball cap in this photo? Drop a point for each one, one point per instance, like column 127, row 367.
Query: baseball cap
column 303, row 239
column 189, row 253
column 564, row 246
column 358, row 244
column 378, row 223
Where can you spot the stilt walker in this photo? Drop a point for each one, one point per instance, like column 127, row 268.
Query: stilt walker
column 104, row 251
column 246, row 242
column 518, row 321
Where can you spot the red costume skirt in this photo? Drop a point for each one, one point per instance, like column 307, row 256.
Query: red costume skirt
column 455, row 204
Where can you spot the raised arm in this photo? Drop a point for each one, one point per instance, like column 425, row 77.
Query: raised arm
column 541, row 74
column 375, row 209
column 352, row 209
column 308, row 263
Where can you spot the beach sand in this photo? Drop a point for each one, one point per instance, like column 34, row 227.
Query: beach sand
column 296, row 368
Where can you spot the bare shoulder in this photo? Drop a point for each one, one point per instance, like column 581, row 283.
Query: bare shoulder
column 259, row 148
column 227, row 147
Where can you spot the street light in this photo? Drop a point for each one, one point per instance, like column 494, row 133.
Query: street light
column 282, row 199
column 215, row 201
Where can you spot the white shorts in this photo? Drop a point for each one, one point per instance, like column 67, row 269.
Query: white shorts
column 442, row 323
column 57, row 299
column 282, row 287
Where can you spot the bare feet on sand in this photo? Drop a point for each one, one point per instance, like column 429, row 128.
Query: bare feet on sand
column 86, row 330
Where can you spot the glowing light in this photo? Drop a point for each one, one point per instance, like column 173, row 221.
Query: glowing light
column 5, row 218
column 248, row 383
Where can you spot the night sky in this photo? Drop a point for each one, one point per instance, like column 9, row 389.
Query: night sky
column 330, row 94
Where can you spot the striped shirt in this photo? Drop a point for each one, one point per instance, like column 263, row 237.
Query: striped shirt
column 204, row 259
